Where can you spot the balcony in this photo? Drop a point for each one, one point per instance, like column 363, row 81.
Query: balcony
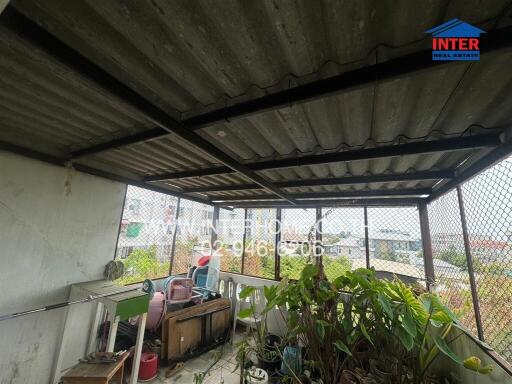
column 145, row 141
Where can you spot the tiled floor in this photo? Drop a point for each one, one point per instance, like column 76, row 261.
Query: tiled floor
column 220, row 373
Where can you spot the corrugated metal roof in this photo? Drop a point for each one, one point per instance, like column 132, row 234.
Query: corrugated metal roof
column 189, row 57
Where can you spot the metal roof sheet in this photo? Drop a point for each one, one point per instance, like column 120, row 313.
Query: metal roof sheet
column 195, row 56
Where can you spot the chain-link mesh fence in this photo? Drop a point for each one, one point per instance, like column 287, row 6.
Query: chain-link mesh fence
column 343, row 240
column 394, row 238
column 230, row 236
column 297, row 238
column 146, row 234
column 395, row 247
column 488, row 206
column 260, row 243
column 193, row 234
column 450, row 264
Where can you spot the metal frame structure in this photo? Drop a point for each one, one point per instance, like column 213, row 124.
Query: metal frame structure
column 366, row 237
column 381, row 72
column 469, row 260
column 347, row 180
column 399, row 67
column 186, row 129
column 415, row 148
column 40, row 38
column 427, row 245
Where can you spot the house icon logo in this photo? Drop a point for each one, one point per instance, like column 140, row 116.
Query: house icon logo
column 455, row 40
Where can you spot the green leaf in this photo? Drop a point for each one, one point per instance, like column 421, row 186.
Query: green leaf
column 436, row 324
column 405, row 338
column 244, row 313
column 324, row 323
column 309, row 272
column 386, row 305
column 365, row 332
column 409, row 324
column 441, row 317
column 347, row 324
column 270, row 292
column 443, row 347
column 475, row 364
column 320, row 329
column 342, row 347
column 426, row 301
column 246, row 292
column 439, row 306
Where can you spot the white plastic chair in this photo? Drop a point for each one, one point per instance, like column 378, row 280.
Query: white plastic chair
column 251, row 321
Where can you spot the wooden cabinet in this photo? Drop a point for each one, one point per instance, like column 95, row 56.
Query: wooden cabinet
column 194, row 330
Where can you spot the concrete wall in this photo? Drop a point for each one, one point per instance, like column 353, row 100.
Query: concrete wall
column 466, row 346
column 50, row 236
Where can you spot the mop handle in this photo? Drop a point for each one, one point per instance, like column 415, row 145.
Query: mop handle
column 61, row 305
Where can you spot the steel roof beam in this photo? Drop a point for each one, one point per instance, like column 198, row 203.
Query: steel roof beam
column 329, row 195
column 393, row 202
column 377, row 73
column 30, row 31
column 347, row 180
column 414, row 148
column 495, row 156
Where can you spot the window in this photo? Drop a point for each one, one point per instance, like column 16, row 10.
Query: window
column 146, row 233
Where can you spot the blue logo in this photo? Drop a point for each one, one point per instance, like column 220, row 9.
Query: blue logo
column 455, row 40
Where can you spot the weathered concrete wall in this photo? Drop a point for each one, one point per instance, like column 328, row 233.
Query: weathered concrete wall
column 50, row 236
column 464, row 347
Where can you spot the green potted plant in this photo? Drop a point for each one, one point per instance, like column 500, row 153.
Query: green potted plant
column 361, row 329
column 260, row 342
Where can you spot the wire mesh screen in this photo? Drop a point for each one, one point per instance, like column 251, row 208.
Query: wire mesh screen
column 450, row 265
column 230, row 234
column 297, row 237
column 146, row 233
column 343, row 240
column 259, row 254
column 488, row 207
column 395, row 243
column 193, row 236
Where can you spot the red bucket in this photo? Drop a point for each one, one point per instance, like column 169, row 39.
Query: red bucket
column 148, row 368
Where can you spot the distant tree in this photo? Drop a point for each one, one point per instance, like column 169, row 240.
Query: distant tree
column 142, row 264
column 454, row 257
column 336, row 266
column 392, row 256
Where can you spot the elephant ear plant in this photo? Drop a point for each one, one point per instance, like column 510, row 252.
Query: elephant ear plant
column 359, row 329
column 425, row 329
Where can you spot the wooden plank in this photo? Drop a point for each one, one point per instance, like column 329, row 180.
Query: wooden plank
column 94, row 372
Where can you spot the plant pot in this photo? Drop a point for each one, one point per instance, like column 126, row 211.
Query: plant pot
column 348, row 377
column 271, row 341
column 257, row 376
column 381, row 371
column 362, row 352
column 269, row 366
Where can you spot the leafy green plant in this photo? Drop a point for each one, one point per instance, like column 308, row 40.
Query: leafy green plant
column 199, row 377
column 259, row 345
column 405, row 331
column 424, row 328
